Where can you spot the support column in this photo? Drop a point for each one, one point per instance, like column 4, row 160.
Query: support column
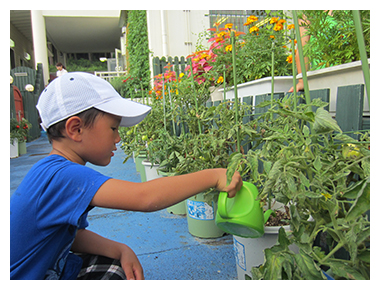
column 39, row 42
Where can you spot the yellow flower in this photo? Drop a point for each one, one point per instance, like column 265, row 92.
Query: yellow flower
column 273, row 20
column 229, row 47
column 220, row 80
column 251, row 19
column 181, row 75
column 289, row 59
column 326, row 195
column 291, row 26
column 228, row 25
column 253, row 29
column 222, row 33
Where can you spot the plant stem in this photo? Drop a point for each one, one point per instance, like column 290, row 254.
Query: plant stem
column 171, row 106
column 235, row 89
column 332, row 252
column 272, row 81
column 195, row 96
column 294, row 70
column 142, row 94
column 302, row 60
column 224, row 84
column 362, row 51
column 163, row 95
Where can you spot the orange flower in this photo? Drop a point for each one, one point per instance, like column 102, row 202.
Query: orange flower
column 251, row 19
column 220, row 80
column 273, row 20
column 253, row 29
column 228, row 25
column 278, row 27
column 291, row 26
column 271, row 36
column 289, row 59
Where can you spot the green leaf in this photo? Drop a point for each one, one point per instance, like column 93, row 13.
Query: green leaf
column 324, row 123
column 275, row 262
column 253, row 161
column 233, row 165
column 305, row 130
column 317, row 163
column 291, row 184
column 346, row 271
column 309, row 269
column 304, row 180
column 362, row 203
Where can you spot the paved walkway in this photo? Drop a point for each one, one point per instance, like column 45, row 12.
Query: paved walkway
column 166, row 250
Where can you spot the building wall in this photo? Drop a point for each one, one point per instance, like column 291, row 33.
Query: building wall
column 182, row 32
column 182, row 29
column 22, row 45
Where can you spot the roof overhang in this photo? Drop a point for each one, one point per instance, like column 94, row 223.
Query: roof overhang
column 75, row 31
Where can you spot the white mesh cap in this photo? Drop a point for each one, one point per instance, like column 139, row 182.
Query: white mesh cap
column 76, row 92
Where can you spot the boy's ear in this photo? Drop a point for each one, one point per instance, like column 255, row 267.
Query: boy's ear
column 74, row 128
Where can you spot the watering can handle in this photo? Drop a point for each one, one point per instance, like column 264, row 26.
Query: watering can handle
column 222, row 205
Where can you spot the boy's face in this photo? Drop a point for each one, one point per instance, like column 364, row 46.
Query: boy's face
column 100, row 140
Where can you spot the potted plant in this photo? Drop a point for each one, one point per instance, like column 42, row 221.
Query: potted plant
column 323, row 174
column 254, row 57
column 333, row 51
column 18, row 134
column 303, row 159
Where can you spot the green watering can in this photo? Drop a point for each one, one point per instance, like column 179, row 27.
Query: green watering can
column 242, row 215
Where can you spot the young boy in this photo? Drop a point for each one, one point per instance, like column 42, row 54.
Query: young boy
column 48, row 235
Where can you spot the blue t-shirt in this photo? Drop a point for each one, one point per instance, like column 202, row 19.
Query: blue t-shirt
column 47, row 209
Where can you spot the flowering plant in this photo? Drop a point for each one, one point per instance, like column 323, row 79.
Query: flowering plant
column 333, row 39
column 217, row 59
column 19, row 130
column 264, row 36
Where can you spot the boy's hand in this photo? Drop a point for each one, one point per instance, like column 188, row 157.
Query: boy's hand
column 131, row 265
column 233, row 187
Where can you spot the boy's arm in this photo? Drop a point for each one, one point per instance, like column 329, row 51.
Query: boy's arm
column 162, row 192
column 91, row 243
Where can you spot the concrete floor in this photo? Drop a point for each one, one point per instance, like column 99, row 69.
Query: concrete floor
column 165, row 248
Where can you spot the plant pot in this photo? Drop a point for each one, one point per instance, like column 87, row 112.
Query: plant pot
column 337, row 76
column 22, row 148
column 151, row 172
column 139, row 167
column 261, row 86
column 249, row 252
column 201, row 216
column 14, row 149
column 179, row 208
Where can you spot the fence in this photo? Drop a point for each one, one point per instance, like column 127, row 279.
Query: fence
column 23, row 76
column 109, row 75
column 160, row 63
column 349, row 108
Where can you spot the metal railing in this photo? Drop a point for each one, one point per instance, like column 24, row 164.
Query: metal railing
column 108, row 75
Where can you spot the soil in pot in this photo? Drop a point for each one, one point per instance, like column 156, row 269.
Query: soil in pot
column 282, row 218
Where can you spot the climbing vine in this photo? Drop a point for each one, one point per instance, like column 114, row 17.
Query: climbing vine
column 138, row 51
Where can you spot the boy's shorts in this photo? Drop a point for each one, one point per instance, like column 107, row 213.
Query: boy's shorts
column 100, row 268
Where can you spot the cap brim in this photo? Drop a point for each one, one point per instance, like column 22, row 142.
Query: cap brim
column 131, row 112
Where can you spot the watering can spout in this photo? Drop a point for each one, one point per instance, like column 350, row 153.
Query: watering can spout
column 267, row 214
